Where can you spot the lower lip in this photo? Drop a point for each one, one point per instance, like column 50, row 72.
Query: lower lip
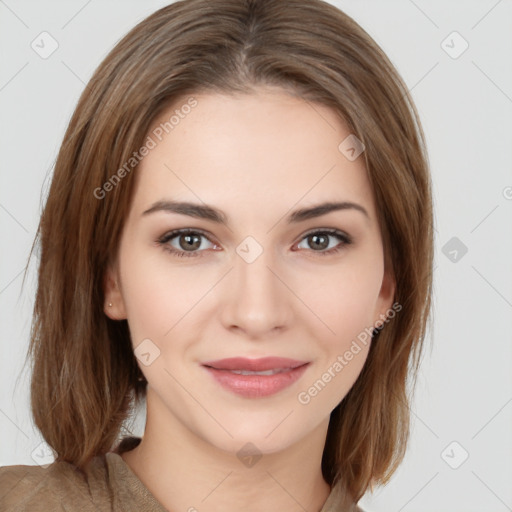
column 256, row 386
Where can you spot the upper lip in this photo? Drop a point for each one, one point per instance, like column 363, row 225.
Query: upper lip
column 256, row 365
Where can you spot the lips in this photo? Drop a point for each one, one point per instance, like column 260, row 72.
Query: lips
column 256, row 378
column 263, row 364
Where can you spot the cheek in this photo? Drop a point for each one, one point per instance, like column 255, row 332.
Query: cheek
column 347, row 304
column 345, row 298
column 158, row 294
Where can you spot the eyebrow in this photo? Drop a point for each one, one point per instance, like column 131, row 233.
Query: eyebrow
column 211, row 213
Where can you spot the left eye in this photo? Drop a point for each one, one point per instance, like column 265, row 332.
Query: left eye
column 189, row 243
column 319, row 240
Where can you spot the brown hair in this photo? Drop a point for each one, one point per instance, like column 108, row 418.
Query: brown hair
column 85, row 378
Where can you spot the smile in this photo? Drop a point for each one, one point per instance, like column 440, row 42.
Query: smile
column 256, row 378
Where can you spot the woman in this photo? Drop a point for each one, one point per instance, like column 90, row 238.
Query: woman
column 238, row 231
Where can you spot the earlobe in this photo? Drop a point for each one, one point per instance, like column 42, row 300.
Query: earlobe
column 113, row 305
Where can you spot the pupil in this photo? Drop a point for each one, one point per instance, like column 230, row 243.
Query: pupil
column 315, row 239
column 189, row 241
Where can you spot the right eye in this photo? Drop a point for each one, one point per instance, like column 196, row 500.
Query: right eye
column 188, row 242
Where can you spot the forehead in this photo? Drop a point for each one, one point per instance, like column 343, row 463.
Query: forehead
column 250, row 150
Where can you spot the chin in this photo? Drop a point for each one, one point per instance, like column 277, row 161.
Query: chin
column 262, row 437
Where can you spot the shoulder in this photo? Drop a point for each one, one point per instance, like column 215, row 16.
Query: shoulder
column 41, row 488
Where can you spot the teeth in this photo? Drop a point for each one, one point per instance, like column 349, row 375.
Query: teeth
column 249, row 372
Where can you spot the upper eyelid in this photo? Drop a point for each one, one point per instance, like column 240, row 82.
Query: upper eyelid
column 173, row 233
column 170, row 235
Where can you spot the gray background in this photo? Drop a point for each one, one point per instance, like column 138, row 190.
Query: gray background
column 464, row 392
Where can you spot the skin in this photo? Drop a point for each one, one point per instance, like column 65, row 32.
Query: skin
column 256, row 157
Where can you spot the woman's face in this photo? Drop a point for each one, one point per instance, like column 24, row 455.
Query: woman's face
column 261, row 273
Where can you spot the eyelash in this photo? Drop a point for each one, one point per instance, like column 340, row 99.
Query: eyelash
column 165, row 239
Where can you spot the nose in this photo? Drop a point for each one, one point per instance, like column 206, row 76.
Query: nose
column 258, row 302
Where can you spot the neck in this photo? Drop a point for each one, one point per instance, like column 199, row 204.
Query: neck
column 185, row 472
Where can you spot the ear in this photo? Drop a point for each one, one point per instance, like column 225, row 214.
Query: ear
column 113, row 295
column 385, row 299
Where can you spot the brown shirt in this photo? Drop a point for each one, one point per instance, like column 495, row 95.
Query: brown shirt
column 109, row 486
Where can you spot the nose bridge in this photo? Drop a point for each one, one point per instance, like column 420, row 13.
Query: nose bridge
column 257, row 298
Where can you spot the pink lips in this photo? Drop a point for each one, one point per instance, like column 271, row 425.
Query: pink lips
column 285, row 372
